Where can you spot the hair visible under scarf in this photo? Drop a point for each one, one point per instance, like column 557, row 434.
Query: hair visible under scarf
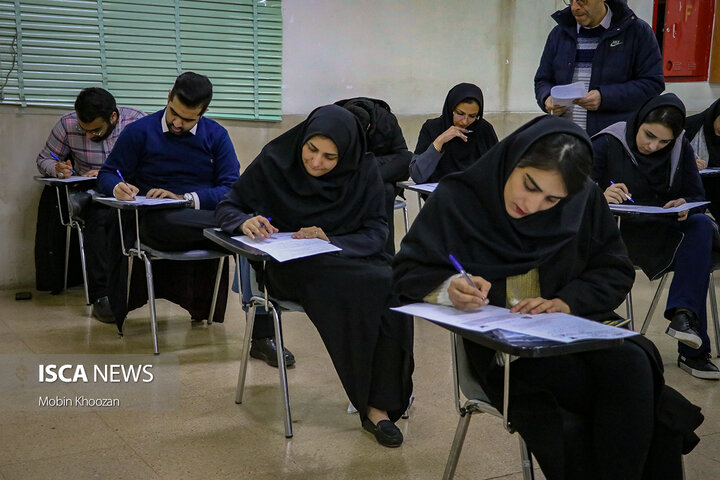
column 654, row 167
column 466, row 216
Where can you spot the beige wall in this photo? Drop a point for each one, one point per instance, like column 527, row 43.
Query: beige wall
column 407, row 52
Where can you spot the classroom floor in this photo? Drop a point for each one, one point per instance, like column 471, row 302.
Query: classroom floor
column 208, row 436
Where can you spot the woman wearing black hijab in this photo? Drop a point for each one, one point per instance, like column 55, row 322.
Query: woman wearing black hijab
column 537, row 236
column 316, row 180
column 703, row 131
column 453, row 141
column 649, row 160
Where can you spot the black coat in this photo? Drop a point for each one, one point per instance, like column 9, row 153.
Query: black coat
column 385, row 139
column 651, row 242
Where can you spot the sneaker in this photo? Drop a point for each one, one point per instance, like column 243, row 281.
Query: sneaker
column 700, row 367
column 683, row 328
column 102, row 311
column 265, row 349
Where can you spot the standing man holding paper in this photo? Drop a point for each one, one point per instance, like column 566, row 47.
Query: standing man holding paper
column 605, row 46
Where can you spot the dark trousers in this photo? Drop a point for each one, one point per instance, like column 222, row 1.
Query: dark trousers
column 610, row 389
column 169, row 230
column 390, row 194
column 97, row 218
column 692, row 275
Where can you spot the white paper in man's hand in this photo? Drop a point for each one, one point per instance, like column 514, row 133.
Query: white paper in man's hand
column 563, row 95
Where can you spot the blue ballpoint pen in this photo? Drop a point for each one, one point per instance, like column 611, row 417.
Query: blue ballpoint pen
column 627, row 197
column 462, row 272
column 121, row 178
column 56, row 158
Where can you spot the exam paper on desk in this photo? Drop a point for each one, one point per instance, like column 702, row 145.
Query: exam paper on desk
column 282, row 247
column 559, row 327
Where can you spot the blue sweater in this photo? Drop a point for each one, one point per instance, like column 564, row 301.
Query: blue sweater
column 204, row 163
column 626, row 68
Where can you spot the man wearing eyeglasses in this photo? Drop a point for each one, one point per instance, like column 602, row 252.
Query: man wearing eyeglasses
column 78, row 144
column 611, row 51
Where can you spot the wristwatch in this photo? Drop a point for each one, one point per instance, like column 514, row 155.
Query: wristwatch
column 190, row 199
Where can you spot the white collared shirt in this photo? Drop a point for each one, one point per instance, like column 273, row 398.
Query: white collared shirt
column 164, row 126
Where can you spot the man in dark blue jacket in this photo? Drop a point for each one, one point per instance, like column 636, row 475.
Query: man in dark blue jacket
column 611, row 51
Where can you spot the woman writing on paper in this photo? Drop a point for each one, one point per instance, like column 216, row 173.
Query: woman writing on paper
column 535, row 235
column 453, row 141
column 649, row 160
column 316, row 180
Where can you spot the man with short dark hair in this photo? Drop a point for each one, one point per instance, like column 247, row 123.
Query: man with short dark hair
column 611, row 51
column 174, row 153
column 81, row 142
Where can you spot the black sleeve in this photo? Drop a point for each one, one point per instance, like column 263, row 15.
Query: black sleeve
column 692, row 187
column 600, row 161
column 231, row 212
column 608, row 273
column 395, row 162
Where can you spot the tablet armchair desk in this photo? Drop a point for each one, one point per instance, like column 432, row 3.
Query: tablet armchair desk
column 147, row 254
column 477, row 400
column 71, row 222
column 271, row 305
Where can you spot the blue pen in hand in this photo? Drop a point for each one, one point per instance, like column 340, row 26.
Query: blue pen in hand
column 462, row 272
column 58, row 159
column 122, row 179
column 626, row 195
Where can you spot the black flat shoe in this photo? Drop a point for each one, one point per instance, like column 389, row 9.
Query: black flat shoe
column 265, row 349
column 101, row 310
column 386, row 432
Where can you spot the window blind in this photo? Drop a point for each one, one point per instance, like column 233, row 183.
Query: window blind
column 51, row 49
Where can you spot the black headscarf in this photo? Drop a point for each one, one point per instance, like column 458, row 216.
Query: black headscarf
column 655, row 168
column 277, row 185
column 457, row 154
column 705, row 120
column 466, row 217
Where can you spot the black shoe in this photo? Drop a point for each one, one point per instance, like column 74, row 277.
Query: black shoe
column 386, row 432
column 102, row 311
column 683, row 327
column 265, row 349
column 700, row 367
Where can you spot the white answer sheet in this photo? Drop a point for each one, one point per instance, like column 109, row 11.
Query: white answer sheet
column 648, row 209
column 141, row 200
column 559, row 327
column 282, row 247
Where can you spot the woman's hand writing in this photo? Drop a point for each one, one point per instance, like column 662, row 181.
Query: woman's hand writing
column 258, row 226
column 464, row 296
column 616, row 193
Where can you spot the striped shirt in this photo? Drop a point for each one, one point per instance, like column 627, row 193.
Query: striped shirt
column 68, row 141
column 587, row 41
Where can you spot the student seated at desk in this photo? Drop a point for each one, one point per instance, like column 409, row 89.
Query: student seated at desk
column 703, row 131
column 80, row 142
column 649, row 160
column 536, row 236
column 316, row 180
column 174, row 153
column 453, row 141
